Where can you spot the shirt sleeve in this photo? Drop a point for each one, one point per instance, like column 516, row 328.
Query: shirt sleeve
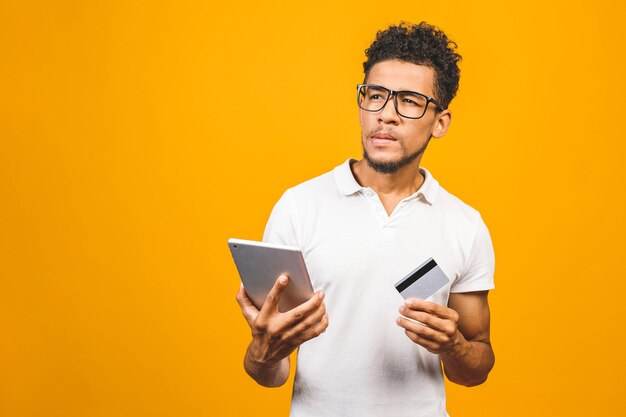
column 480, row 266
column 283, row 223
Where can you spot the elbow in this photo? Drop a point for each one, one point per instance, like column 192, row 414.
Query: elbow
column 470, row 379
column 475, row 378
column 467, row 380
column 270, row 384
column 472, row 382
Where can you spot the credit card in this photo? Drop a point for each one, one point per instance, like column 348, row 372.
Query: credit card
column 423, row 281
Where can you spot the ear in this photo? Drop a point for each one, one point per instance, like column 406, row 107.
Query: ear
column 442, row 123
column 361, row 117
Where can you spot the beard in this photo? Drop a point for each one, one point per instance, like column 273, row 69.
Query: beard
column 391, row 167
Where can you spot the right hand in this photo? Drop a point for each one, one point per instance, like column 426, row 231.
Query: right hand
column 274, row 334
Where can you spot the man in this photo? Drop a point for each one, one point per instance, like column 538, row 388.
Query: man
column 361, row 228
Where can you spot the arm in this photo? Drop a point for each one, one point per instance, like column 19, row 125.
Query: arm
column 458, row 333
column 275, row 335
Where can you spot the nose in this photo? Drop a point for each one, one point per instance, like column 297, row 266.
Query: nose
column 388, row 113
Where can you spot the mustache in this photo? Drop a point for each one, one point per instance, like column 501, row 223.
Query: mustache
column 376, row 131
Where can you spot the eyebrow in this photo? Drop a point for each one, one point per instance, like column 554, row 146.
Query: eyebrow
column 401, row 89
column 375, row 86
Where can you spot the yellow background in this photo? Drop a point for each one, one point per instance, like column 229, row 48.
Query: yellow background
column 136, row 137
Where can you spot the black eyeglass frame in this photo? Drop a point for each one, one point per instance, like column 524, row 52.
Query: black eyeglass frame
column 394, row 94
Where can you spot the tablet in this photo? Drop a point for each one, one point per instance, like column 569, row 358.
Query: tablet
column 259, row 265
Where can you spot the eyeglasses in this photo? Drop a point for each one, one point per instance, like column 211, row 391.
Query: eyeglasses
column 409, row 104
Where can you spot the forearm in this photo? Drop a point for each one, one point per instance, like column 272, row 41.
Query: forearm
column 469, row 363
column 268, row 375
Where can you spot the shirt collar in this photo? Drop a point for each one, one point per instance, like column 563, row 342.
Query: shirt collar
column 348, row 185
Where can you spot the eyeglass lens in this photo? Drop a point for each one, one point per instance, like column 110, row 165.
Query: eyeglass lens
column 408, row 104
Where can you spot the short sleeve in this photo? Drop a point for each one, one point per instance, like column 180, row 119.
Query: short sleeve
column 479, row 270
column 282, row 225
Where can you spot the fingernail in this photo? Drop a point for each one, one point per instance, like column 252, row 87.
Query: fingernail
column 398, row 321
column 321, row 295
column 282, row 279
column 402, row 308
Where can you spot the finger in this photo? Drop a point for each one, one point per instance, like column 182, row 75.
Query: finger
column 318, row 329
column 298, row 313
column 434, row 322
column 314, row 331
column 307, row 322
column 432, row 308
column 273, row 297
column 285, row 322
column 248, row 309
column 427, row 344
column 423, row 331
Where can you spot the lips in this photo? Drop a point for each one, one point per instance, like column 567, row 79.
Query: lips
column 385, row 136
column 382, row 139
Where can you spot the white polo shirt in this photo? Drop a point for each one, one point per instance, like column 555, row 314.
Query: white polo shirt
column 364, row 364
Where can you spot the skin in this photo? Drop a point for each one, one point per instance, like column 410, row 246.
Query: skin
column 409, row 135
column 459, row 332
column 275, row 335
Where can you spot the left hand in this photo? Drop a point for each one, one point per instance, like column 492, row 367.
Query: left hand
column 437, row 330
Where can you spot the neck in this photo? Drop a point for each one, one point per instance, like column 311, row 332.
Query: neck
column 402, row 183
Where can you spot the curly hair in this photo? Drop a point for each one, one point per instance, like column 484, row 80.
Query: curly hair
column 420, row 44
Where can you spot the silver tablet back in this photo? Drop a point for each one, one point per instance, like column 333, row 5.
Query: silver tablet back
column 260, row 264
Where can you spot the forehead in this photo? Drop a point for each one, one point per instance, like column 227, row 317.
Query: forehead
column 402, row 75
